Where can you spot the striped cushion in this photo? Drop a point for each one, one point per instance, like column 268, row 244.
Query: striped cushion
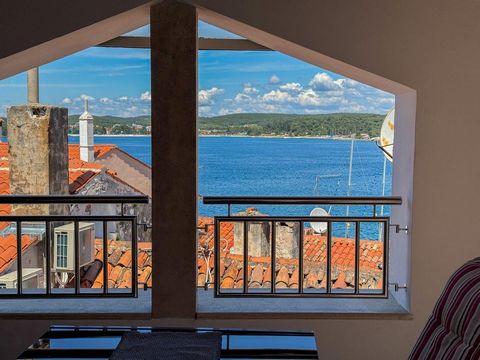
column 453, row 329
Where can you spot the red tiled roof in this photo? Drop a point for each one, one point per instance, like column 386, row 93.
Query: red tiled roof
column 79, row 172
column 3, row 151
column 8, row 249
column 5, row 209
column 78, row 178
column 286, row 270
column 259, row 270
column 119, row 265
column 99, row 150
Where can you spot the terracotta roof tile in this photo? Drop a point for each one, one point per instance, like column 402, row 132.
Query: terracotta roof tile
column 256, row 278
column 282, row 279
column 311, row 281
column 340, row 282
column 126, row 258
column 80, row 172
column 8, row 249
column 142, row 258
column 100, row 150
column 144, row 275
column 293, row 282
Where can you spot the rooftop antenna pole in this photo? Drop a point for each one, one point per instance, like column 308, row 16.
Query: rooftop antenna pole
column 32, row 86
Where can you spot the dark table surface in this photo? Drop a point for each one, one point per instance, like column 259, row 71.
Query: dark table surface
column 94, row 342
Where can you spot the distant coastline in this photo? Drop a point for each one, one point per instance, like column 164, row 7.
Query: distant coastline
column 329, row 126
column 247, row 136
column 289, row 137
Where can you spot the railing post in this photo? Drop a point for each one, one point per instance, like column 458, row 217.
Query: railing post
column 134, row 257
column 386, row 239
column 245, row 257
column 48, row 260
column 77, row 257
column 217, row 252
column 105, row 257
column 19, row 259
column 357, row 257
column 300, row 259
column 273, row 258
column 328, row 286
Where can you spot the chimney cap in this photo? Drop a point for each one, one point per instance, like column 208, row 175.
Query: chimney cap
column 86, row 115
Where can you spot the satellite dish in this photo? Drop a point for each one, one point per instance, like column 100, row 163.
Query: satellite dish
column 319, row 227
column 386, row 134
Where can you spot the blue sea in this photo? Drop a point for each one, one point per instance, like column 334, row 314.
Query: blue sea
column 257, row 166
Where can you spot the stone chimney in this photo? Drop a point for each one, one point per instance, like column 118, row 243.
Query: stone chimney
column 287, row 235
column 287, row 239
column 86, row 135
column 258, row 235
column 37, row 153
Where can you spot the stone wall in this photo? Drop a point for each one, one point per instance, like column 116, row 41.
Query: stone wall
column 38, row 153
column 103, row 184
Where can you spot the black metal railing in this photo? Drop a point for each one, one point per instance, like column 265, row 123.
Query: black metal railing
column 272, row 221
column 74, row 288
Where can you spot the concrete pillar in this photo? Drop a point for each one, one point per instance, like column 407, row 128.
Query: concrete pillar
column 37, row 153
column 33, row 96
column 173, row 28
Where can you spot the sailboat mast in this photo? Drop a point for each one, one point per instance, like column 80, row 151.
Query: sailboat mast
column 349, row 188
column 384, row 180
column 383, row 194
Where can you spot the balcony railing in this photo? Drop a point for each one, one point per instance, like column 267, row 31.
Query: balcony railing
column 53, row 248
column 283, row 256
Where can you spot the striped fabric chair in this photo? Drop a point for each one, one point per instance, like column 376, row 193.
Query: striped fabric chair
column 453, row 330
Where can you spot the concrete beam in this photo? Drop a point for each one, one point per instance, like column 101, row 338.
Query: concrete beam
column 174, row 158
column 143, row 42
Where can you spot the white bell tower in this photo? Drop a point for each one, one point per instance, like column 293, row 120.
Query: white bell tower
column 86, row 135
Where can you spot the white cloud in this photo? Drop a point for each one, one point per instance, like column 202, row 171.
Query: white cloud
column 309, row 98
column 274, row 79
column 106, row 100
column 225, row 111
column 293, row 87
column 67, row 101
column 204, row 110
column 123, row 98
column 347, row 83
column 277, row 96
column 242, row 98
column 146, row 96
column 249, row 89
column 323, row 82
column 206, row 97
column 84, row 96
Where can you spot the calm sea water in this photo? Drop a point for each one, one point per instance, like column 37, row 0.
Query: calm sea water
column 248, row 166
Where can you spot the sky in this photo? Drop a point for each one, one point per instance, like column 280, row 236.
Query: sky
column 117, row 82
